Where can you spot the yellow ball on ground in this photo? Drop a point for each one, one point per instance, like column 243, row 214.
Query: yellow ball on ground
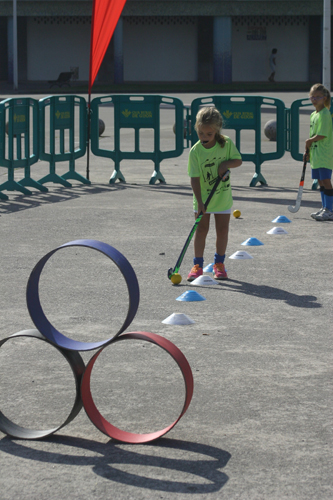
column 176, row 279
column 236, row 213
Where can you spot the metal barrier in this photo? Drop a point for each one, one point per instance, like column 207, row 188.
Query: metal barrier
column 19, row 120
column 244, row 113
column 59, row 112
column 137, row 112
column 294, row 144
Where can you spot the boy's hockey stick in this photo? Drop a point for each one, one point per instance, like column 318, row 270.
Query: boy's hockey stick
column 175, row 270
column 300, row 191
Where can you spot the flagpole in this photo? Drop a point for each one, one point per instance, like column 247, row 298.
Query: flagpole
column 88, row 138
column 89, row 86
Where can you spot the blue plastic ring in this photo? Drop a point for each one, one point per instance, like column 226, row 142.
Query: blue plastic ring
column 49, row 331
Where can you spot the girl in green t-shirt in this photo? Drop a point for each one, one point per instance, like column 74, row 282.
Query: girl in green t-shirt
column 209, row 158
column 319, row 149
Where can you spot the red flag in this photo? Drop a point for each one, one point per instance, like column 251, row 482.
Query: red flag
column 105, row 16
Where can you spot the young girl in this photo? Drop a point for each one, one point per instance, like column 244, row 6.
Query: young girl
column 319, row 149
column 209, row 158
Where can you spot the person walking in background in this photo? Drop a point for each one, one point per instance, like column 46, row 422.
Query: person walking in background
column 319, row 149
column 272, row 65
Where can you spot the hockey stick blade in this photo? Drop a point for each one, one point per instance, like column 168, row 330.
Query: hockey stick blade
column 299, row 194
column 298, row 201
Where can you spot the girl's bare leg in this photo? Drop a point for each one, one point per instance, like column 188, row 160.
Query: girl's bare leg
column 326, row 183
column 222, row 231
column 200, row 235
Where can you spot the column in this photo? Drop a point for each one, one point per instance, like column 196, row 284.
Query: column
column 10, row 49
column 222, row 49
column 118, row 52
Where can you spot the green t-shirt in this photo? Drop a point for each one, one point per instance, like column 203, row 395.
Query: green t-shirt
column 204, row 163
column 321, row 152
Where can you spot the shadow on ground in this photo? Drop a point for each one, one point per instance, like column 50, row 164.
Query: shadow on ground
column 264, row 292
column 142, row 468
column 21, row 202
column 270, row 292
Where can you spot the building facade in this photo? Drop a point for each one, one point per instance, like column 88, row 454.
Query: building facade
column 219, row 41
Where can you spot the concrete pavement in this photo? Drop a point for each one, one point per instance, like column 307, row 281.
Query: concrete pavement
column 259, row 426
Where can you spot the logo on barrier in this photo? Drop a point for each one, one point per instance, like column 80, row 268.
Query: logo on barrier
column 19, row 118
column 126, row 113
column 137, row 113
column 62, row 115
column 227, row 113
column 239, row 115
column 70, row 348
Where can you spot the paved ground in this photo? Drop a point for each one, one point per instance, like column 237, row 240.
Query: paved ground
column 259, row 424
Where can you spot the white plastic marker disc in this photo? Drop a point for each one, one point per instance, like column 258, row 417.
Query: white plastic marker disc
column 241, row 255
column 178, row 319
column 277, row 230
column 204, row 280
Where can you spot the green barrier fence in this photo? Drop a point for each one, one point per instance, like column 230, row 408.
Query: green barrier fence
column 19, row 142
column 244, row 113
column 137, row 112
column 59, row 111
column 296, row 147
column 24, row 140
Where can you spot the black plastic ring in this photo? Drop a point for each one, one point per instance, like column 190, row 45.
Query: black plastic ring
column 77, row 365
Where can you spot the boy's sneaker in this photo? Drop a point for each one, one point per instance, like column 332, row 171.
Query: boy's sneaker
column 220, row 272
column 195, row 272
column 325, row 215
column 314, row 214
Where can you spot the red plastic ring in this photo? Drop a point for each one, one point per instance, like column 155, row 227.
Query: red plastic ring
column 110, row 430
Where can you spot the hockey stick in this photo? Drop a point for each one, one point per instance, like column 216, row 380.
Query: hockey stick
column 175, row 270
column 300, row 191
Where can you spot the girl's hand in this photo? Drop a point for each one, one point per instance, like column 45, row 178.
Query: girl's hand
column 226, row 165
column 201, row 207
column 305, row 156
column 223, row 168
column 308, row 143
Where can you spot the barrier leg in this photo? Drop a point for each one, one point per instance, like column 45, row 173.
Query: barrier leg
column 116, row 174
column 157, row 176
column 12, row 185
column 55, row 178
column 28, row 182
column 258, row 177
column 3, row 196
column 71, row 174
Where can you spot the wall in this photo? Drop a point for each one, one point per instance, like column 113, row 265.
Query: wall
column 250, row 57
column 57, row 44
column 160, row 49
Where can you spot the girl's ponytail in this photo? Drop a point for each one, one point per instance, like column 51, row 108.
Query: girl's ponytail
column 220, row 139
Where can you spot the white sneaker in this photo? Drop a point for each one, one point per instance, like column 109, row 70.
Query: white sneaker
column 325, row 215
column 314, row 214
